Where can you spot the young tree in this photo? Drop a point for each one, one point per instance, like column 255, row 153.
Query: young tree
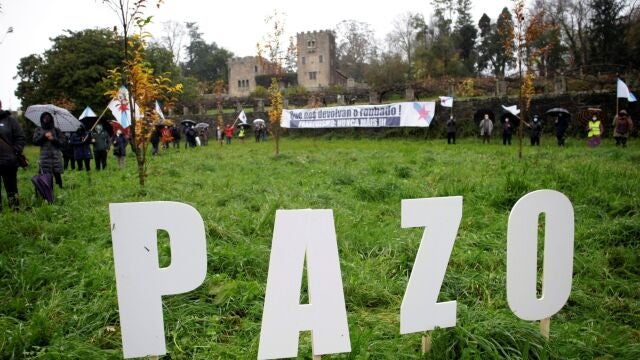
column 527, row 31
column 273, row 54
column 136, row 74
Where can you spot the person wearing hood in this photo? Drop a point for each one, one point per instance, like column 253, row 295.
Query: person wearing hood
column 12, row 143
column 536, row 131
column 120, row 148
column 622, row 127
column 50, row 139
column 451, row 130
column 101, row 144
column 80, row 141
column 507, row 131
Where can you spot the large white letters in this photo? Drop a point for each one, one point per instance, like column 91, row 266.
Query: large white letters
column 420, row 310
column 298, row 233
column 522, row 250
column 139, row 279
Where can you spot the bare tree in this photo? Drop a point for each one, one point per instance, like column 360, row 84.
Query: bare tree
column 573, row 18
column 356, row 46
column 401, row 40
column 174, row 34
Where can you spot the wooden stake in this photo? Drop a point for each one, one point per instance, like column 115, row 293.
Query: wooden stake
column 317, row 357
column 426, row 344
column 545, row 327
column 153, row 357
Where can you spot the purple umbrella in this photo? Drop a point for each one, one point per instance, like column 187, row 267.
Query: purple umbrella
column 44, row 186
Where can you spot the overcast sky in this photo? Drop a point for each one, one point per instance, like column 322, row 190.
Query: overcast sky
column 236, row 26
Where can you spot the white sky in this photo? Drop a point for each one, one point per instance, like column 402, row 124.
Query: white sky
column 236, row 26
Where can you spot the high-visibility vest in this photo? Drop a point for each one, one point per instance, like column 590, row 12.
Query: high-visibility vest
column 594, row 128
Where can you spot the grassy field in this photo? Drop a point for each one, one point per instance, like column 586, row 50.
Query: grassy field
column 58, row 296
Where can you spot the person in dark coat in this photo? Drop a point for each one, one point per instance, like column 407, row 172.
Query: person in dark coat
column 175, row 133
column 451, row 130
column 101, row 144
column 190, row 134
column 155, row 141
column 80, row 141
column 12, row 143
column 120, row 148
column 536, row 131
column 67, row 152
column 506, row 132
column 50, row 139
column 561, row 125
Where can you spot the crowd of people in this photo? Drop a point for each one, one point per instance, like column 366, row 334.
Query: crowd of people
column 622, row 127
column 60, row 151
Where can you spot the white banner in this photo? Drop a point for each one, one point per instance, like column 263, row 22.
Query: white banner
column 407, row 114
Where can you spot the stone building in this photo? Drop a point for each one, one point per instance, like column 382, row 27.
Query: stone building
column 243, row 72
column 317, row 60
column 316, row 63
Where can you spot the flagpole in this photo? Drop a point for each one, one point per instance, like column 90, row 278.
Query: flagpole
column 96, row 123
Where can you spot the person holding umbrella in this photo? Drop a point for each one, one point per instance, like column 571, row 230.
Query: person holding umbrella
column 12, row 143
column 50, row 139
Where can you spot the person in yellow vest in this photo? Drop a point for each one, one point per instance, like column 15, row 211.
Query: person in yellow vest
column 595, row 131
column 241, row 134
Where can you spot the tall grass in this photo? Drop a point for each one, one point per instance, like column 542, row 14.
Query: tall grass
column 58, row 285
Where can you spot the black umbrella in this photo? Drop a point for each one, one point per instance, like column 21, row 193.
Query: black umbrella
column 243, row 125
column 188, row 122
column 558, row 112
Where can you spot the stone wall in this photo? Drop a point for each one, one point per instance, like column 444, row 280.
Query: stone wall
column 467, row 113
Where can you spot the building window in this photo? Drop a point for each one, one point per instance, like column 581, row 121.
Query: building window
column 320, row 59
column 311, row 43
column 239, row 83
column 312, row 75
column 304, row 61
column 255, row 68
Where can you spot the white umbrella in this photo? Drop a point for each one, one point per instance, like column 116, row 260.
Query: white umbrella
column 62, row 118
column 258, row 122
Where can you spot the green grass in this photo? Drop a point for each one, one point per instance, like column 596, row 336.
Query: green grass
column 58, row 295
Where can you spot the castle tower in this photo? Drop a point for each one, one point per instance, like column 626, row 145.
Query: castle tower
column 317, row 60
column 242, row 74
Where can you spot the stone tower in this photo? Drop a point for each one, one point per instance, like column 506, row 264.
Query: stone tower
column 242, row 74
column 317, row 60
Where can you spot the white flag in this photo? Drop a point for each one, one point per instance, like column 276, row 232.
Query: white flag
column 446, row 101
column 632, row 98
column 88, row 112
column 242, row 117
column 159, row 110
column 623, row 90
column 512, row 109
column 119, row 106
